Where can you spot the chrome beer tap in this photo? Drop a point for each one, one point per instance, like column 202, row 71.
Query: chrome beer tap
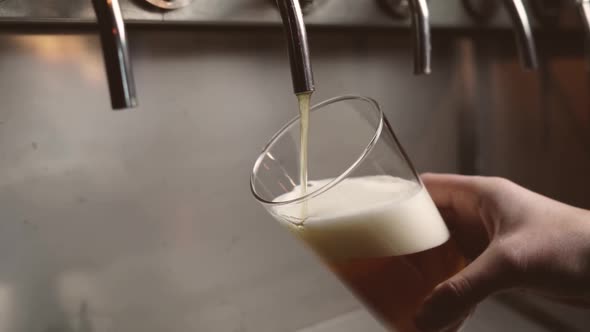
column 116, row 54
column 298, row 47
column 525, row 40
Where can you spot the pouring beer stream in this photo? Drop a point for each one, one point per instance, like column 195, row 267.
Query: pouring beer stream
column 302, row 75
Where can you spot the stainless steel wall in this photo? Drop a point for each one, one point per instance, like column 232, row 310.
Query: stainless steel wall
column 143, row 221
column 534, row 127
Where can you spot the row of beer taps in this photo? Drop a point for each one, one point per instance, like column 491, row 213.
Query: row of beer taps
column 299, row 51
column 120, row 76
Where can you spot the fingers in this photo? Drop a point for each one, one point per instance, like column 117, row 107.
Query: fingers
column 470, row 207
column 453, row 300
column 458, row 199
column 460, row 194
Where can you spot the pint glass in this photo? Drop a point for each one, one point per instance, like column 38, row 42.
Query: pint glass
column 365, row 211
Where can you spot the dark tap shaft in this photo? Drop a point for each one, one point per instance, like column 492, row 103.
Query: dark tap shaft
column 422, row 39
column 301, row 71
column 116, row 54
column 525, row 40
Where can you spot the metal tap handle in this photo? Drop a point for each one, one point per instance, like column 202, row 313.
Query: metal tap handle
column 301, row 71
column 116, row 54
column 525, row 40
column 422, row 40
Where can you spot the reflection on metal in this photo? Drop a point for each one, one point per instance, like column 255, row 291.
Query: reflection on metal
column 116, row 54
column 170, row 4
column 419, row 12
column 298, row 47
column 525, row 40
column 7, row 304
column 422, row 41
column 335, row 13
column 469, row 128
column 481, row 10
column 584, row 8
column 70, row 50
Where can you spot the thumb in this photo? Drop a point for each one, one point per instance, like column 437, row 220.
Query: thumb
column 452, row 300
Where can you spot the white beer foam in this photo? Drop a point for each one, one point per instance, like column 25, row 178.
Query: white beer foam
column 374, row 216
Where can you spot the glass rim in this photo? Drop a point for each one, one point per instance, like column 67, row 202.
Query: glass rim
column 366, row 151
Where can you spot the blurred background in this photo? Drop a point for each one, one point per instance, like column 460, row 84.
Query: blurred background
column 142, row 220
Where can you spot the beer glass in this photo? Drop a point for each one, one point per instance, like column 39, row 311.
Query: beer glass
column 365, row 211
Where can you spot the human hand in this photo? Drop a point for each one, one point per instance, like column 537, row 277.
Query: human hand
column 516, row 239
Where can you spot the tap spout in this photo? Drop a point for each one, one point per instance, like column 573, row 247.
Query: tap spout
column 298, row 47
column 525, row 40
column 116, row 54
column 422, row 39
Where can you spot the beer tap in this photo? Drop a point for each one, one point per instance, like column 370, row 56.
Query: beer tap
column 418, row 10
column 584, row 9
column 298, row 47
column 422, row 40
column 524, row 35
column 116, row 54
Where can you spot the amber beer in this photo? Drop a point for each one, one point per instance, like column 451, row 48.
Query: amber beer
column 383, row 237
column 394, row 287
